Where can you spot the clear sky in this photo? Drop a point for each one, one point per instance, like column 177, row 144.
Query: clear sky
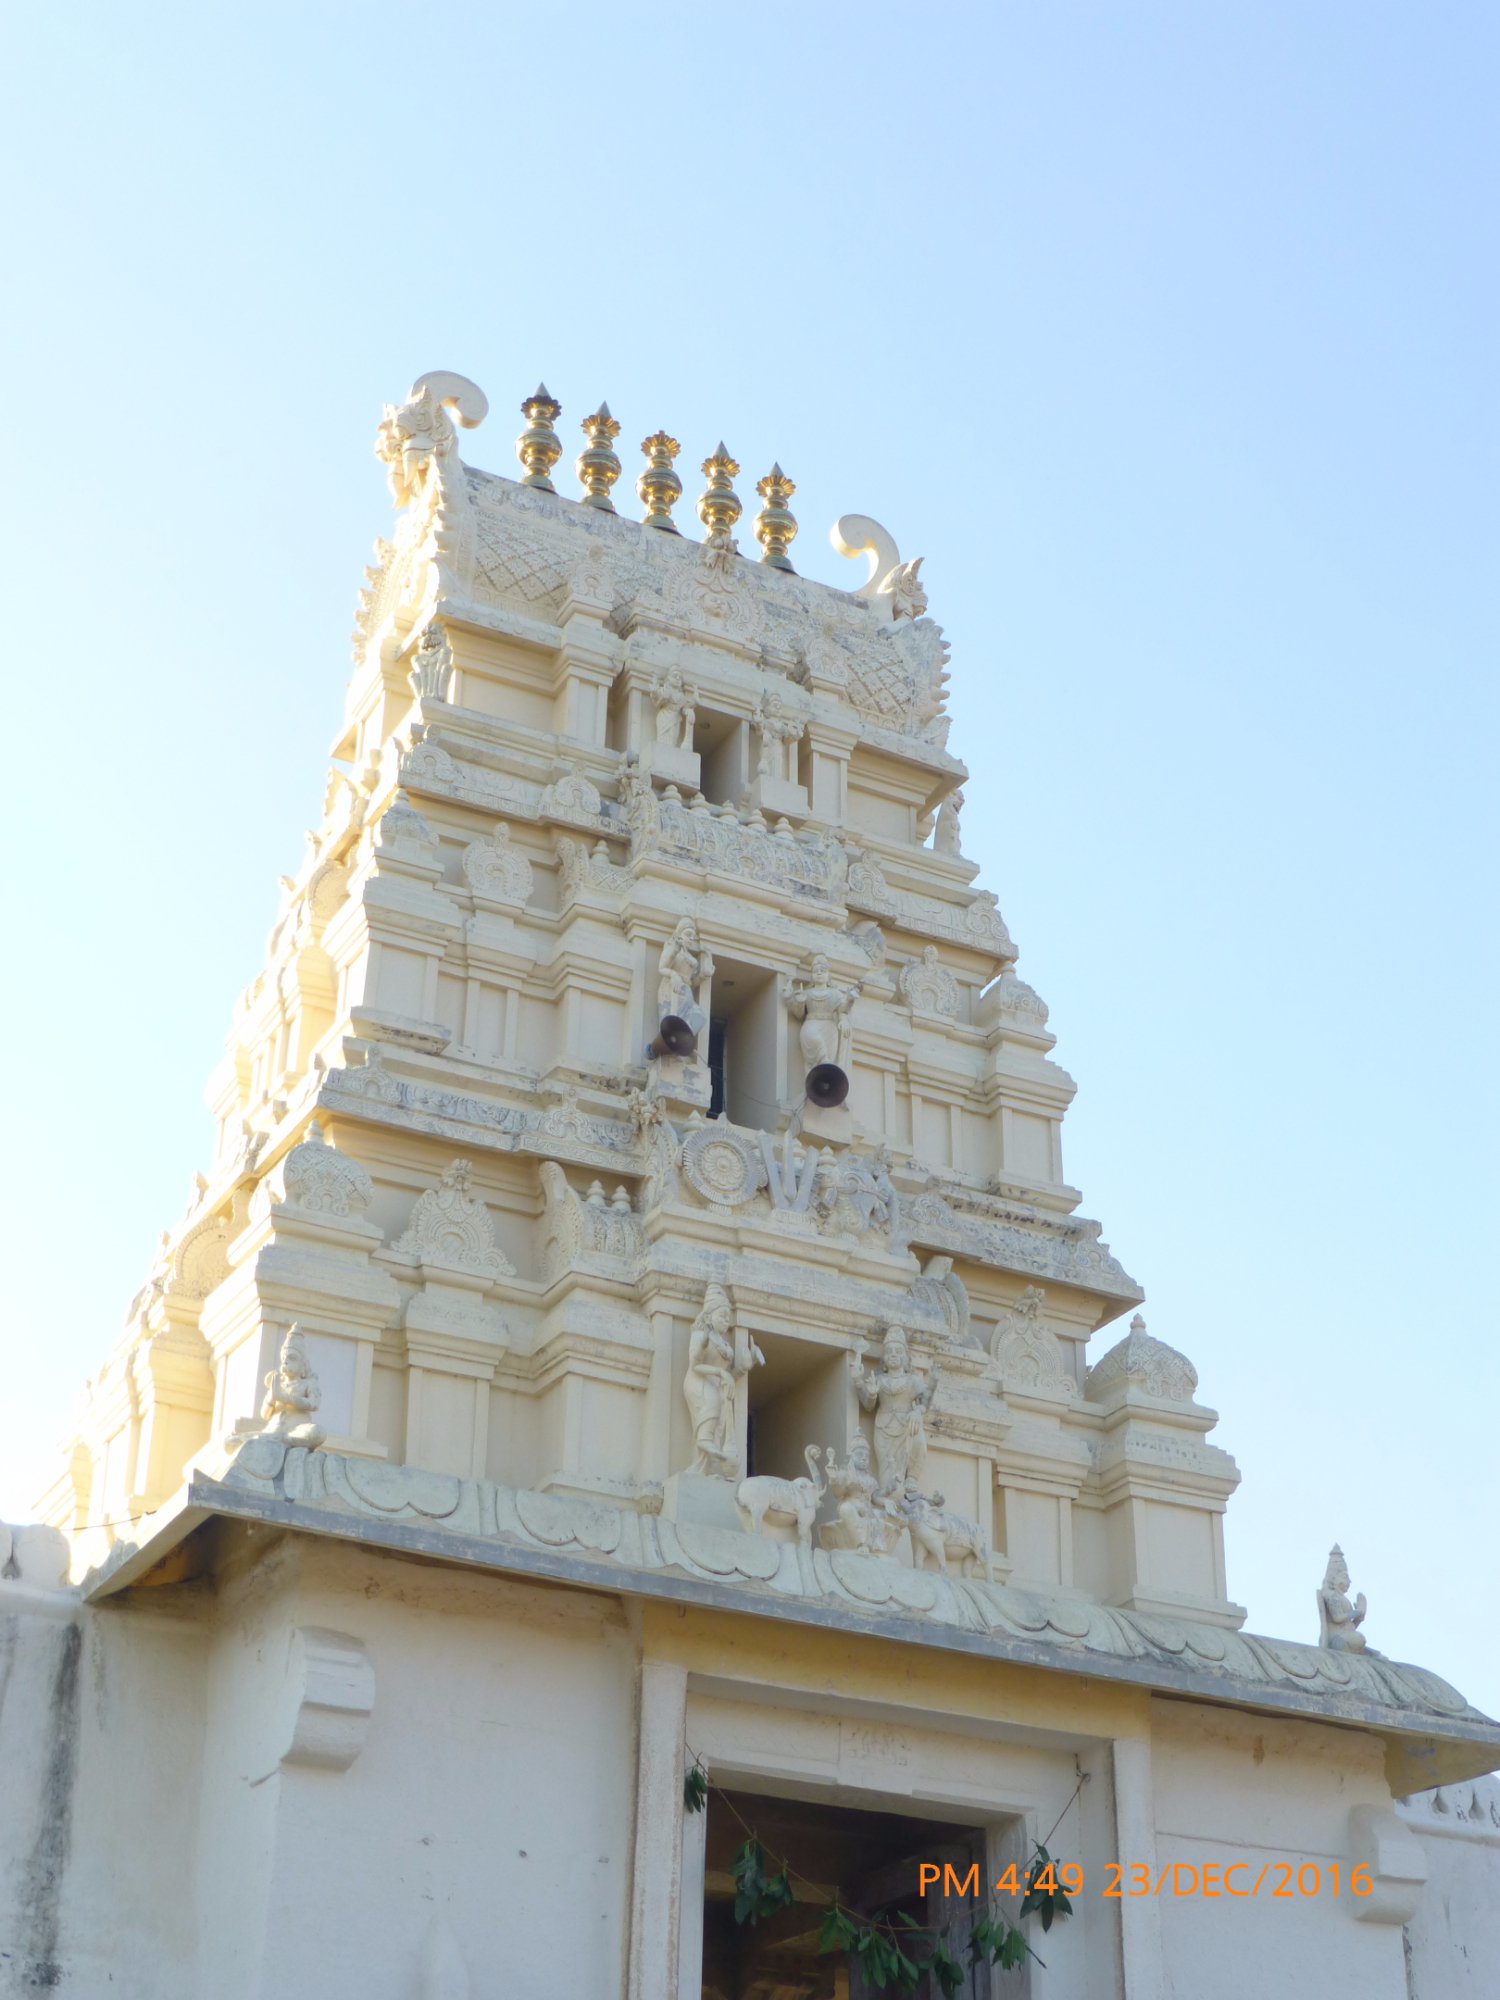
column 1166, row 333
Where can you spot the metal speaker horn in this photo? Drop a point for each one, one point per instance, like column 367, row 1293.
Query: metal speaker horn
column 826, row 1086
column 675, row 1037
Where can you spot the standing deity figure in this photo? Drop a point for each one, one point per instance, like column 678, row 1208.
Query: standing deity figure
column 888, row 1202
column 718, row 1360
column 293, row 1395
column 675, row 712
column 899, row 1396
column 826, row 1034
column 684, row 963
column 1338, row 1619
column 945, row 839
column 779, row 729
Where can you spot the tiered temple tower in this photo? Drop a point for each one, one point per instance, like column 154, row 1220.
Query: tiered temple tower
column 595, row 776
column 634, row 1329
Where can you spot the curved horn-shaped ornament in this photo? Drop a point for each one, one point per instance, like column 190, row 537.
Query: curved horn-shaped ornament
column 466, row 399
column 857, row 535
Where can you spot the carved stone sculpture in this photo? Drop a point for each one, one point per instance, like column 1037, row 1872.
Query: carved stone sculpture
column 856, row 1195
column 496, row 869
column 941, row 1288
column 889, row 580
column 1141, row 1364
column 676, row 712
column 449, row 1226
column 572, row 796
column 657, row 1143
column 318, row 1178
column 718, row 1361
column 779, row 731
column 946, row 836
column 938, row 1535
column 420, row 431
column 927, row 986
column 787, row 1502
column 865, row 1521
column 684, row 964
column 723, row 1164
column 822, row 1007
column 431, row 669
column 1027, row 1354
column 899, row 1397
column 1339, row 1620
column 293, row 1395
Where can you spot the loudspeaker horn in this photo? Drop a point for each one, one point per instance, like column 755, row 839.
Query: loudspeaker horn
column 826, row 1086
column 674, row 1037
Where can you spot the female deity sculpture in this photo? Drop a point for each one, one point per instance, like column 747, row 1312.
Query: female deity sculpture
column 718, row 1360
column 778, row 730
column 826, row 1035
column 899, row 1396
column 683, row 964
column 1338, row 1619
column 675, row 712
column 947, row 837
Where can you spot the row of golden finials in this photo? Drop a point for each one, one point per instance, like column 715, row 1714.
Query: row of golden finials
column 539, row 448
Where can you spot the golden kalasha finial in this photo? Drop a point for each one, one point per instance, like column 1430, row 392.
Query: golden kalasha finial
column 775, row 525
column 659, row 487
column 598, row 466
column 719, row 505
column 539, row 447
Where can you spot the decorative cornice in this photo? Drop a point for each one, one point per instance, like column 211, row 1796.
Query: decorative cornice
column 605, row 1547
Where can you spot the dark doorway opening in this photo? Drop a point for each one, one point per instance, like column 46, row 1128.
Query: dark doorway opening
column 867, row 1861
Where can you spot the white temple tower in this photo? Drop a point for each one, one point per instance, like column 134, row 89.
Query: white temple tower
column 636, row 1322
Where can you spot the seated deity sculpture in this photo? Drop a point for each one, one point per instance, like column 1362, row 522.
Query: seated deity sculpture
column 864, row 1519
column 1339, row 1620
column 293, row 1395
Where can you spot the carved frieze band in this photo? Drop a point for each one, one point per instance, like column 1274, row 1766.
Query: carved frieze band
column 843, row 1578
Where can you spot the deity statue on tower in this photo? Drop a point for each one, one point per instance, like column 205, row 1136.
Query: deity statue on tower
column 826, row 1034
column 684, row 963
column 899, row 1396
column 718, row 1361
column 1339, row 1620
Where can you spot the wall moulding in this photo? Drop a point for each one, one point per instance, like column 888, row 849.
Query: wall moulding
column 1431, row 1730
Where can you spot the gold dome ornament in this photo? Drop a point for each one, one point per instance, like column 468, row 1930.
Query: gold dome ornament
column 775, row 525
column 539, row 447
column 598, row 467
column 719, row 505
column 659, row 487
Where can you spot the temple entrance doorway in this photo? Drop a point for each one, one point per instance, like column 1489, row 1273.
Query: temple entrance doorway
column 864, row 1862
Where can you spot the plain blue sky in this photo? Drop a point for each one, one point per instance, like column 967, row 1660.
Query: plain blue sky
column 1167, row 334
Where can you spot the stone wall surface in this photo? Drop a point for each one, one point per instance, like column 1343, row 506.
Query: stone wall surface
column 1453, row 1938
column 311, row 1779
column 326, row 1770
